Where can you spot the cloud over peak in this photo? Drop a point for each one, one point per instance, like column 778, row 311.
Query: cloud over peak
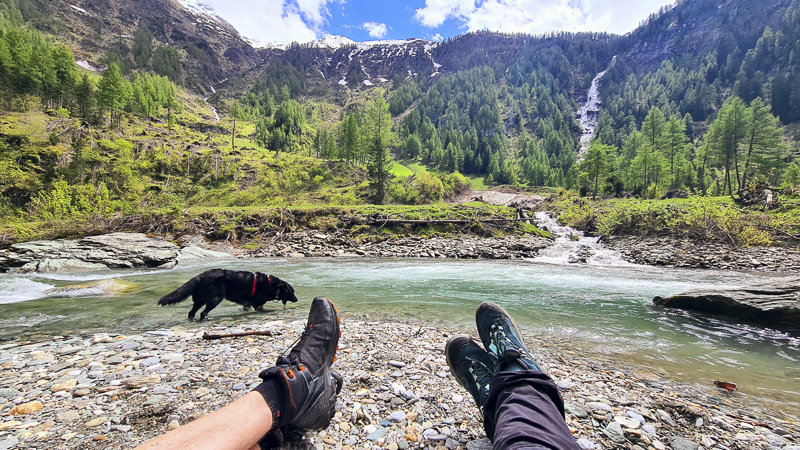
column 375, row 29
column 535, row 16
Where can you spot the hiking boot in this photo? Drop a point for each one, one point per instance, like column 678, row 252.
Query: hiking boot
column 303, row 376
column 501, row 338
column 471, row 366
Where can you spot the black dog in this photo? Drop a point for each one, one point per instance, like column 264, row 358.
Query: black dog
column 239, row 286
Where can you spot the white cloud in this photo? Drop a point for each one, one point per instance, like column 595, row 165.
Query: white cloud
column 436, row 37
column 375, row 29
column 275, row 20
column 539, row 16
column 436, row 12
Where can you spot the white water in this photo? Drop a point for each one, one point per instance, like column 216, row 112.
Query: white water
column 14, row 290
column 573, row 247
column 589, row 112
column 213, row 110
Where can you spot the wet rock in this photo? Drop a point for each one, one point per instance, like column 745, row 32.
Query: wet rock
column 115, row 250
column 776, row 304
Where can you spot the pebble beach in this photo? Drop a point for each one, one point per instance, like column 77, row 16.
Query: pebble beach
column 109, row 391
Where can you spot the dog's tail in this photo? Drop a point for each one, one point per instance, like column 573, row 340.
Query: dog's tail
column 180, row 294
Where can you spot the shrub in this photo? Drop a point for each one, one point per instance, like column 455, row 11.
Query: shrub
column 63, row 201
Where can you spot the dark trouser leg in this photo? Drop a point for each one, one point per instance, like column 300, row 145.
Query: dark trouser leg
column 525, row 410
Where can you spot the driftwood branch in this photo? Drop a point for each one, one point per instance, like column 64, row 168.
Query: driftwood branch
column 208, row 336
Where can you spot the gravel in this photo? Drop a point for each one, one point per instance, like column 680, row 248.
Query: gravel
column 102, row 391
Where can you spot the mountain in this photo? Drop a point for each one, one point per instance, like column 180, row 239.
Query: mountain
column 499, row 108
column 209, row 48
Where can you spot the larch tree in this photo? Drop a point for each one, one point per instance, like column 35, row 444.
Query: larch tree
column 675, row 149
column 236, row 113
column 597, row 164
column 763, row 142
column 113, row 92
column 724, row 136
column 379, row 138
column 349, row 136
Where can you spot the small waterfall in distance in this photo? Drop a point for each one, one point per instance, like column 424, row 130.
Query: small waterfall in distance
column 573, row 247
column 590, row 111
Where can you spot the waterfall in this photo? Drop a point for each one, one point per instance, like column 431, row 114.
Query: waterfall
column 213, row 110
column 589, row 112
column 572, row 246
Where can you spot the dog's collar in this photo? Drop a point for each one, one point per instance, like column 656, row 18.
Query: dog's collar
column 255, row 280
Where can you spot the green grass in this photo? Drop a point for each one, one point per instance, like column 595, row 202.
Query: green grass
column 416, row 166
column 476, row 182
column 400, row 170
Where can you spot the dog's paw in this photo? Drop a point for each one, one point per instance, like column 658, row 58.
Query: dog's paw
column 246, row 308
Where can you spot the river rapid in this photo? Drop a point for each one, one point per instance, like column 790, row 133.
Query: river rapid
column 602, row 311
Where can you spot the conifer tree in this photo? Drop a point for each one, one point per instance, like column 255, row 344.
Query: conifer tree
column 236, row 113
column 597, row 164
column 349, row 135
column 114, row 92
column 724, row 137
column 380, row 136
column 675, row 149
column 763, row 141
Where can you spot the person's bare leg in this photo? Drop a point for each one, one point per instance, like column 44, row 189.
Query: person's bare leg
column 237, row 426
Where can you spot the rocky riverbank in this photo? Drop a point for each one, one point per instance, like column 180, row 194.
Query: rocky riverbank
column 672, row 252
column 135, row 250
column 115, row 391
column 309, row 244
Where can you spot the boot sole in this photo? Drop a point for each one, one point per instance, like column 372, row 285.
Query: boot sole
column 449, row 365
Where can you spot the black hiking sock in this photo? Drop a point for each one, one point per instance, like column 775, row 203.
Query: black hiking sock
column 512, row 365
column 273, row 395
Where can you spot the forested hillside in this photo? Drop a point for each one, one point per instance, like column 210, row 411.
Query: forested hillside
column 702, row 97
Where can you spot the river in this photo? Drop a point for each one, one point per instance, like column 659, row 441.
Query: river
column 604, row 311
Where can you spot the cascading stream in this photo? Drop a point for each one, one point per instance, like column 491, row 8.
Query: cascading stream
column 213, row 110
column 573, row 247
column 590, row 111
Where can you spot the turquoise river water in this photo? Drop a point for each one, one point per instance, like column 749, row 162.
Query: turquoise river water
column 604, row 311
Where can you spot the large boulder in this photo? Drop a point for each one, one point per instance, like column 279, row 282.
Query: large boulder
column 774, row 305
column 109, row 251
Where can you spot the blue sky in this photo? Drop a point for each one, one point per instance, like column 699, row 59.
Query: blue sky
column 363, row 20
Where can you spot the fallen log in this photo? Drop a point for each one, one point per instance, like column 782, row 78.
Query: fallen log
column 208, row 336
column 776, row 305
column 438, row 221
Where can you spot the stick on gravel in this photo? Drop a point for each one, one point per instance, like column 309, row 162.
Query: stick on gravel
column 207, row 336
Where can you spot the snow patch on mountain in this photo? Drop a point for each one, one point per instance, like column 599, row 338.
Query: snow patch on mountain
column 333, row 41
column 201, row 9
column 255, row 43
